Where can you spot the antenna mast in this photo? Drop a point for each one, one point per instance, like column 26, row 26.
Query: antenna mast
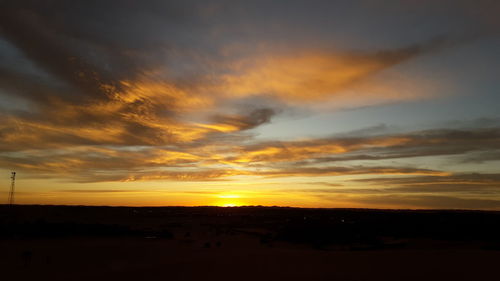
column 12, row 188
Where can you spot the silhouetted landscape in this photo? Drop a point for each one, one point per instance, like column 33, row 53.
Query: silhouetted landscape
column 246, row 243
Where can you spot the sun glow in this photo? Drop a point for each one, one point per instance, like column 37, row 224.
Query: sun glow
column 228, row 196
column 228, row 200
column 229, row 205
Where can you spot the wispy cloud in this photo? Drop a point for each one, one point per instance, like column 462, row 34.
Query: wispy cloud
column 421, row 143
column 467, row 183
column 219, row 159
column 429, row 201
column 99, row 191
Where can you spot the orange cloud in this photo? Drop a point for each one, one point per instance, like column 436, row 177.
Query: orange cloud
column 308, row 149
column 315, row 75
column 208, row 160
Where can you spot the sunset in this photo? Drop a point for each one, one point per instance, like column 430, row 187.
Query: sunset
column 351, row 104
column 380, row 105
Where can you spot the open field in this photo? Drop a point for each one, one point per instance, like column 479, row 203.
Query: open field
column 246, row 243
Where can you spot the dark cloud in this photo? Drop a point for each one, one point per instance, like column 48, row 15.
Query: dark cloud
column 338, row 171
column 429, row 202
column 404, row 197
column 244, row 122
column 320, row 191
column 365, row 132
column 473, row 178
column 30, row 33
column 467, row 183
column 481, row 157
column 416, row 144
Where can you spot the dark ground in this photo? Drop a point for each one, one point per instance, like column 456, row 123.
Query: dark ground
column 246, row 243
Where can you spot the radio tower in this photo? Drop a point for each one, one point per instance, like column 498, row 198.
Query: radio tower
column 12, row 188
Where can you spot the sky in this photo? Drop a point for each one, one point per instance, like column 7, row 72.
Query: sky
column 329, row 104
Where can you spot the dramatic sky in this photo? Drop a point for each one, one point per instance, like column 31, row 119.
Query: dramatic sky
column 375, row 104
